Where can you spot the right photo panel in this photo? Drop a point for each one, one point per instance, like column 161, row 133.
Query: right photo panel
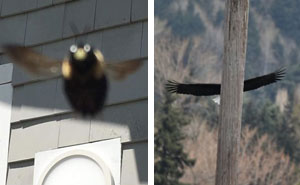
column 227, row 92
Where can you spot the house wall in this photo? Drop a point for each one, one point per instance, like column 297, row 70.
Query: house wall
column 41, row 118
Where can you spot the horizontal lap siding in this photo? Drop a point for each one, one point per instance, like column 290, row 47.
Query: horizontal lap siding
column 52, row 23
column 20, row 173
column 13, row 30
column 30, row 137
column 43, row 3
column 10, row 7
column 135, row 164
column 144, row 50
column 81, row 14
column 6, row 73
column 126, row 120
column 16, row 7
column 44, row 25
column 139, row 10
column 108, row 14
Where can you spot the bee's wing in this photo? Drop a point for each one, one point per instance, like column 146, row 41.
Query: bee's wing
column 32, row 61
column 121, row 70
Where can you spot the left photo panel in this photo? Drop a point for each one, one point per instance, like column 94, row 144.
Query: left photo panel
column 73, row 92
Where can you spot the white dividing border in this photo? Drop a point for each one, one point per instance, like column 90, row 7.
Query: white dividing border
column 151, row 92
column 75, row 153
column 6, row 93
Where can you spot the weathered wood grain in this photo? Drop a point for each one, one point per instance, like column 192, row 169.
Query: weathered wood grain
column 235, row 42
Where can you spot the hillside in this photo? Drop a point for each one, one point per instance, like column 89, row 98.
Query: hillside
column 273, row 37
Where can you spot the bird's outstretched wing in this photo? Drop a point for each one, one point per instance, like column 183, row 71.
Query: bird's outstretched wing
column 260, row 81
column 214, row 89
column 193, row 89
column 33, row 61
column 121, row 70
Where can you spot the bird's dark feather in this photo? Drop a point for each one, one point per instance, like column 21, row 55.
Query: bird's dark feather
column 260, row 81
column 194, row 89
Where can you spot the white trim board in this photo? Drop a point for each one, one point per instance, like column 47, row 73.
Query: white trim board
column 6, row 93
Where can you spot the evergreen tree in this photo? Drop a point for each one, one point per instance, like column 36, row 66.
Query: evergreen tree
column 288, row 133
column 170, row 158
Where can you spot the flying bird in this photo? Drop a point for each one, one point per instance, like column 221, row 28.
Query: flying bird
column 84, row 71
column 215, row 89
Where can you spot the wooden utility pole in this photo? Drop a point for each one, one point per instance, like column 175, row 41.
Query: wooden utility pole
column 235, row 43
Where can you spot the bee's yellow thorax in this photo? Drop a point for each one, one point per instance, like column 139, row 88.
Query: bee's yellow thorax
column 66, row 69
column 100, row 67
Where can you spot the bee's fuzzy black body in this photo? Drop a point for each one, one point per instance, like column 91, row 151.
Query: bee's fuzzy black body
column 86, row 97
column 85, row 92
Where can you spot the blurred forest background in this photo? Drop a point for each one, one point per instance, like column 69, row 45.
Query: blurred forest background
column 189, row 48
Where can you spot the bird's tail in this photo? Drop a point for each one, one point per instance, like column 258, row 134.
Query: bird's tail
column 217, row 100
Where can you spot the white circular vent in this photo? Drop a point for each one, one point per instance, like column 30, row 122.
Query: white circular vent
column 76, row 167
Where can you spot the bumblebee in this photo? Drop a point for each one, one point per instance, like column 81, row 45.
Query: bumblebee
column 84, row 70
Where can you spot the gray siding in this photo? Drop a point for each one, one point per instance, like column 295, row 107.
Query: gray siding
column 13, row 30
column 30, row 137
column 131, row 119
column 80, row 130
column 41, row 117
column 10, row 7
column 43, row 3
column 123, row 42
column 44, row 25
column 134, row 168
column 81, row 14
column 6, row 73
column 139, row 10
column 108, row 14
column 1, row 6
column 20, row 173
column 145, row 40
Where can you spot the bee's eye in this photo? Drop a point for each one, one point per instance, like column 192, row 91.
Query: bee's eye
column 87, row 48
column 73, row 48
